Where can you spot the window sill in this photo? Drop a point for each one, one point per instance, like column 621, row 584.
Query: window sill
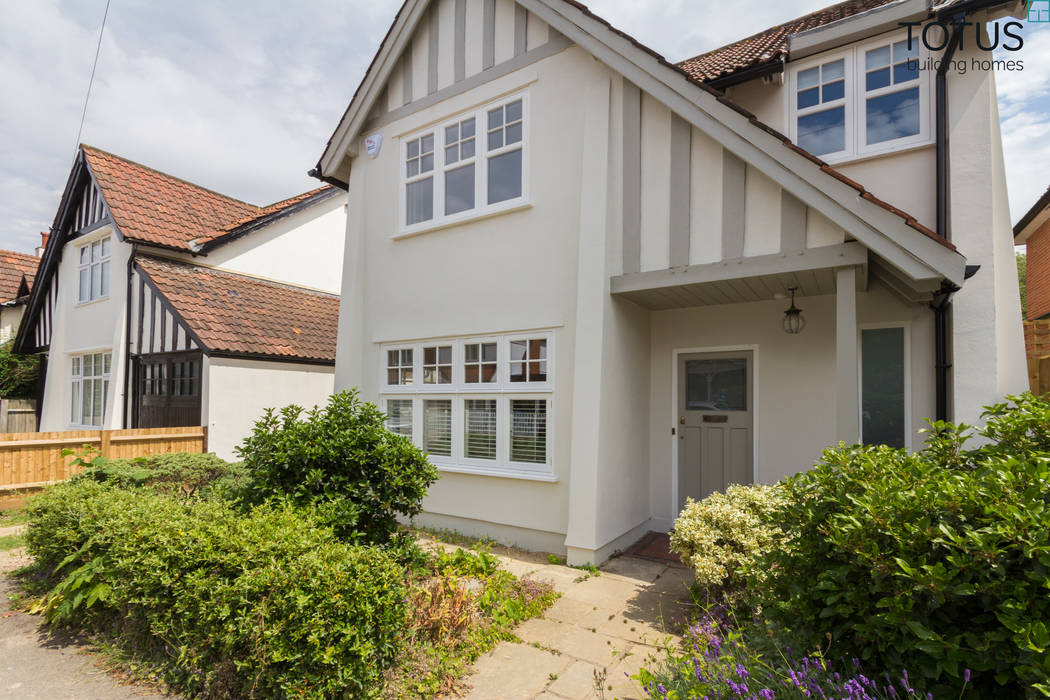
column 875, row 155
column 459, row 220
column 546, row 477
column 81, row 304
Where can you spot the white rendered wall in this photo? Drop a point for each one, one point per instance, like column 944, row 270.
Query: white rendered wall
column 305, row 248
column 988, row 340
column 10, row 317
column 96, row 326
column 238, row 392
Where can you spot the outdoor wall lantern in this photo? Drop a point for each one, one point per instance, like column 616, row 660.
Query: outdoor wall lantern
column 793, row 321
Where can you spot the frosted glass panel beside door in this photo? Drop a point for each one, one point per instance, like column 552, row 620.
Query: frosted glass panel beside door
column 882, row 386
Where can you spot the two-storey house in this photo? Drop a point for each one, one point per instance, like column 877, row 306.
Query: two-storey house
column 160, row 303
column 591, row 283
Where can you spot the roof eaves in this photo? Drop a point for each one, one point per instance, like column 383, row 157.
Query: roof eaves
column 1040, row 205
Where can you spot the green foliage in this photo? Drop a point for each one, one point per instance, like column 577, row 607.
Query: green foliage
column 341, row 459
column 266, row 603
column 183, row 474
column 18, row 373
column 1022, row 280
column 935, row 561
column 719, row 536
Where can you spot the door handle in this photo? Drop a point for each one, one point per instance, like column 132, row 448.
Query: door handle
column 681, row 420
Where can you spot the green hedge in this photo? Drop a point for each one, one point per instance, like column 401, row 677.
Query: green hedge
column 937, row 561
column 228, row 604
column 177, row 473
column 341, row 459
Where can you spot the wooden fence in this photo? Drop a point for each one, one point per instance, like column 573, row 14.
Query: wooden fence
column 1039, row 375
column 35, row 459
column 17, row 415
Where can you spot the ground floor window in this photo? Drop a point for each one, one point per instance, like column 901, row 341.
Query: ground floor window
column 89, row 388
column 473, row 403
column 883, row 386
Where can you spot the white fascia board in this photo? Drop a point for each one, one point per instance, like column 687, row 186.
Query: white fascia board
column 912, row 252
column 1033, row 226
column 856, row 27
column 372, row 85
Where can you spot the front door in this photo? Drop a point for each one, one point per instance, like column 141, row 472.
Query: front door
column 715, row 420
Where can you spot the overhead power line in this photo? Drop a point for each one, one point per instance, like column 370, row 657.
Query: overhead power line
column 91, row 80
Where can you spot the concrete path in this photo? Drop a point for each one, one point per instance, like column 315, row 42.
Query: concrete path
column 602, row 627
column 37, row 666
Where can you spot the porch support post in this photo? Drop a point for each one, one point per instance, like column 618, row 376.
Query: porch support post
column 581, row 539
column 847, row 381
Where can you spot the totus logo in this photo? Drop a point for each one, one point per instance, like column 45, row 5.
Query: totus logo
column 935, row 35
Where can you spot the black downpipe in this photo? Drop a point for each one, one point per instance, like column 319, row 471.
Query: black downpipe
column 942, row 300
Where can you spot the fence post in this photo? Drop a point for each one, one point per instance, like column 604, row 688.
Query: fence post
column 204, row 439
column 104, row 443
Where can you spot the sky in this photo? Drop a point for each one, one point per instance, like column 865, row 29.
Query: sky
column 240, row 96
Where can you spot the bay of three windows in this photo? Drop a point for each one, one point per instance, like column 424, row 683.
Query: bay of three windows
column 868, row 99
column 469, row 164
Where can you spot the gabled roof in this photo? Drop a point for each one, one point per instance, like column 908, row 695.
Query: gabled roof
column 886, row 230
column 1033, row 219
column 768, row 45
column 152, row 207
column 236, row 314
column 17, row 271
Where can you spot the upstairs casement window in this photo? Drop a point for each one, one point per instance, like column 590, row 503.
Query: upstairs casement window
column 93, row 270
column 468, row 166
column 868, row 100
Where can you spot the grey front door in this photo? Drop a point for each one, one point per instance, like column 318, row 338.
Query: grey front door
column 715, row 420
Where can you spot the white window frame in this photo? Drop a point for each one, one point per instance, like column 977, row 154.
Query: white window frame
column 856, row 94
column 503, row 391
column 104, row 262
column 908, row 429
column 77, row 379
column 482, row 155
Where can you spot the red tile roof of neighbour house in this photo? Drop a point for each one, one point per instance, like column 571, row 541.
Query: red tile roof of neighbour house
column 770, row 44
column 13, row 268
column 238, row 314
column 149, row 206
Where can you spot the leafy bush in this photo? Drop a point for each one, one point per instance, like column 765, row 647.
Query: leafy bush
column 18, row 373
column 341, row 459
column 178, row 473
column 228, row 604
column 936, row 561
column 719, row 535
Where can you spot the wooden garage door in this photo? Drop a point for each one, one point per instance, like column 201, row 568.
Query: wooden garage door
column 168, row 390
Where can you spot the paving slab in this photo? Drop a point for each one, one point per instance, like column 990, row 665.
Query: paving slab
column 577, row 682
column 514, row 671
column 573, row 641
column 635, row 568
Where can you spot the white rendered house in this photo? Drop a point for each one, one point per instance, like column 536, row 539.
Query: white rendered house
column 568, row 261
column 159, row 303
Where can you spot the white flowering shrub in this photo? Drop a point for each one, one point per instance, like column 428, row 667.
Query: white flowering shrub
column 720, row 535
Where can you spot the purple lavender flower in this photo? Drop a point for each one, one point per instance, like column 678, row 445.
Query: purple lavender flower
column 966, row 676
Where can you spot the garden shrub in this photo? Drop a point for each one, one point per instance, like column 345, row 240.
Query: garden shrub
column 266, row 603
column 341, row 459
column 935, row 561
column 177, row 473
column 724, row 532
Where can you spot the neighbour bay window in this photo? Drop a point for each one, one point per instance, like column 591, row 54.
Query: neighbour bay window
column 479, row 159
column 93, row 270
column 867, row 100
column 476, row 404
column 89, row 388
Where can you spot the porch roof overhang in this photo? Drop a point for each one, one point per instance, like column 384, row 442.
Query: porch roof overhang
column 763, row 277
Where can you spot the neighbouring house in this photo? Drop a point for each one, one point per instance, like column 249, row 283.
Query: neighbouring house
column 17, row 271
column 570, row 265
column 1033, row 232
column 160, row 303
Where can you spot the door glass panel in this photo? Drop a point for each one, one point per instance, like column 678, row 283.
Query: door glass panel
column 716, row 384
column 882, row 386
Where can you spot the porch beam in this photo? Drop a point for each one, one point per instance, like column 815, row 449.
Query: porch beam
column 845, row 254
column 847, row 380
